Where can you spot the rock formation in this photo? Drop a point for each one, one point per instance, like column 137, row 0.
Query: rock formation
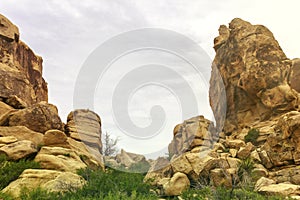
column 20, row 69
column 260, row 81
column 30, row 128
column 260, row 129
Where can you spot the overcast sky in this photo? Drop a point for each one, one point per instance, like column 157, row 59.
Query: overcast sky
column 65, row 32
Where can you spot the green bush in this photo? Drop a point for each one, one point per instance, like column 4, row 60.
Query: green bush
column 10, row 171
column 252, row 136
column 245, row 169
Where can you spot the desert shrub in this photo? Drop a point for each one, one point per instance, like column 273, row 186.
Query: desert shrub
column 252, row 136
column 10, row 171
column 244, row 172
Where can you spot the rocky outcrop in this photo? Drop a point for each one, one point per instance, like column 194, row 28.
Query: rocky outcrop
column 258, row 78
column 255, row 104
column 20, row 68
column 30, row 128
column 50, row 180
column 85, row 125
column 40, row 117
column 194, row 132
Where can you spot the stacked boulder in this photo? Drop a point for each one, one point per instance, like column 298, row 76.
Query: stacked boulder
column 30, row 128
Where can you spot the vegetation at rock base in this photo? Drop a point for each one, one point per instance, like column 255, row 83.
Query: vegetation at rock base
column 113, row 185
column 252, row 136
column 10, row 171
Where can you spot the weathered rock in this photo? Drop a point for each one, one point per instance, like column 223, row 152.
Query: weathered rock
column 15, row 102
column 18, row 150
column 4, row 108
column 160, row 169
column 8, row 31
column 177, row 184
column 235, row 143
column 58, row 158
column 192, row 133
column 22, row 133
column 8, row 140
column 39, row 117
column 50, row 180
column 263, row 182
column 221, row 177
column 55, row 137
column 255, row 74
column 245, row 152
column 128, row 159
column 20, row 68
column 283, row 189
column 85, row 125
column 88, row 157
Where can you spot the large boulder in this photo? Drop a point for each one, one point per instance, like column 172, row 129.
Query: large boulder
column 60, row 159
column 40, row 117
column 20, row 68
column 192, row 133
column 22, row 133
column 18, row 150
column 255, row 74
column 50, row 180
column 85, row 125
column 176, row 185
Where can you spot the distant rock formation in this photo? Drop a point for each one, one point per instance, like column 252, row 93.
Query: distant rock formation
column 262, row 121
column 30, row 128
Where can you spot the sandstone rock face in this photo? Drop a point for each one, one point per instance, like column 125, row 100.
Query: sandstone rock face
column 193, row 132
column 284, row 189
column 39, row 117
column 58, row 158
column 55, row 138
column 22, row 133
column 17, row 150
column 20, row 68
column 50, row 180
column 256, row 75
column 85, row 126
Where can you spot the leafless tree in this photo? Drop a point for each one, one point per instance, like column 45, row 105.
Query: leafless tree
column 109, row 145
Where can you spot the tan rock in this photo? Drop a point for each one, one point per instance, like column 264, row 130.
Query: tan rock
column 233, row 152
column 4, row 108
column 8, row 30
column 177, row 184
column 235, row 144
column 58, row 158
column 39, row 117
column 50, row 180
column 221, row 177
column 255, row 74
column 8, row 140
column 53, row 137
column 19, row 150
column 160, row 169
column 245, row 152
column 92, row 159
column 22, row 133
column 263, row 182
column 85, row 125
column 265, row 159
column 20, row 68
column 15, row 102
column 255, row 156
column 192, row 133
column 181, row 164
column 284, row 189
